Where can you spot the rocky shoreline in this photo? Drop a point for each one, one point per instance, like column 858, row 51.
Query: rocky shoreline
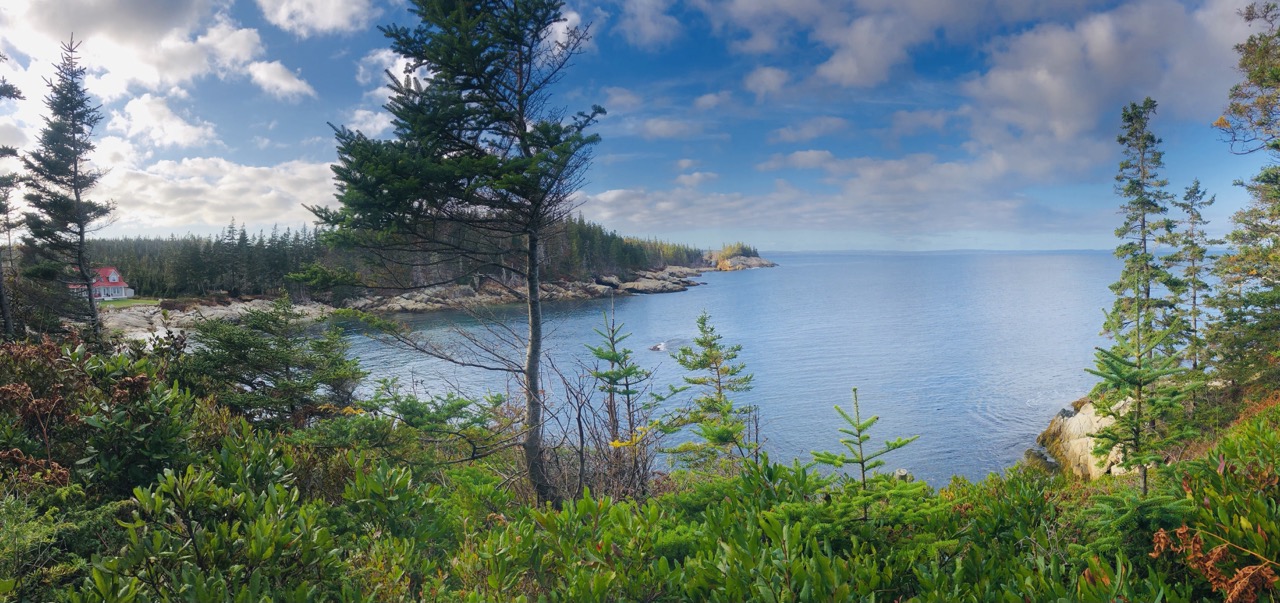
column 139, row 322
column 1068, row 440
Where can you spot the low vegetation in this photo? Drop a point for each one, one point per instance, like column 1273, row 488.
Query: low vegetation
column 160, row 475
column 243, row 463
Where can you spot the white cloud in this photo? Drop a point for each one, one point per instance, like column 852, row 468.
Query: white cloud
column 209, row 191
column 686, row 164
column 809, row 129
column 696, row 179
column 868, row 48
column 905, row 123
column 646, row 24
column 149, row 118
column 373, row 67
column 765, row 81
column 117, row 152
column 712, row 100
column 231, row 47
column 621, row 100
column 370, row 123
column 662, row 127
column 307, row 17
column 276, row 79
column 803, row 160
column 571, row 20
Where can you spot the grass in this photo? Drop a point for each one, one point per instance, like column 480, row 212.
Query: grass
column 129, row 303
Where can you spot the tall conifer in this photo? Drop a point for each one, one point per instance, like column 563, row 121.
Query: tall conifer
column 58, row 180
column 8, row 182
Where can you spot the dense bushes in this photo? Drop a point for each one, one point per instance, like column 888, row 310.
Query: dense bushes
column 118, row 485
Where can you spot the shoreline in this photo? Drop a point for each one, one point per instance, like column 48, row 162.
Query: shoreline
column 146, row 321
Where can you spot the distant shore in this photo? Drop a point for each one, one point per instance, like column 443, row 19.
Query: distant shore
column 142, row 321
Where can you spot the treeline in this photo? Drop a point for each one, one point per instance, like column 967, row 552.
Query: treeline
column 237, row 262
column 233, row 261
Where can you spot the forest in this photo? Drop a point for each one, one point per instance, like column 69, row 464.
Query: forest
column 237, row 462
column 237, row 263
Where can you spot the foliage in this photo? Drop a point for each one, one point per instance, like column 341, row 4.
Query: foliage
column 234, row 262
column 631, row 434
column 57, row 182
column 1232, row 541
column 1143, row 402
column 722, row 429
column 856, row 453
column 481, row 169
column 269, row 369
column 738, row 249
column 1189, row 290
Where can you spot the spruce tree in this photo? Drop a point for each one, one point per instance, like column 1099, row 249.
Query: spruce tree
column 1139, row 357
column 481, row 169
column 1140, row 184
column 722, row 427
column 1247, row 334
column 8, row 182
column 58, row 180
column 1191, row 252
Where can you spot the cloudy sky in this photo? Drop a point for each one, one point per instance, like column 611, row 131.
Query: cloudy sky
column 795, row 125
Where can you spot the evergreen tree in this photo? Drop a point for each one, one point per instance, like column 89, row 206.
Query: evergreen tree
column 1191, row 252
column 1139, row 183
column 482, row 167
column 8, row 182
column 858, row 432
column 1247, row 334
column 1136, row 393
column 627, row 411
column 59, row 179
column 721, row 426
column 1140, row 355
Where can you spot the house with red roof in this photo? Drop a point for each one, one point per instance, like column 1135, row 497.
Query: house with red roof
column 108, row 284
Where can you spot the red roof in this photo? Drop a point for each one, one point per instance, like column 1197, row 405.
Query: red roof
column 103, row 278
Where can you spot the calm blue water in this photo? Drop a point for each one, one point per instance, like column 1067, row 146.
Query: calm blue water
column 974, row 352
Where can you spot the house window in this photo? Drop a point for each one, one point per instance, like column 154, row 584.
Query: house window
column 114, row 277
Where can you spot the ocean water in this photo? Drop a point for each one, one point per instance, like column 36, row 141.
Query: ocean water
column 972, row 351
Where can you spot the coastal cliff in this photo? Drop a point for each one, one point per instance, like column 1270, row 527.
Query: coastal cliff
column 1068, row 440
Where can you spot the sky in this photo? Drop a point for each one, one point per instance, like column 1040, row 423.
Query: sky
column 789, row 124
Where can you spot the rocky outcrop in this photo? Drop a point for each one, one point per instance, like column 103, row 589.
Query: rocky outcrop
column 742, row 263
column 668, row 280
column 1069, row 440
column 140, row 322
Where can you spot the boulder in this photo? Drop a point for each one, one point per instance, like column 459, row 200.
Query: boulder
column 610, row 281
column 1068, row 439
column 652, row 285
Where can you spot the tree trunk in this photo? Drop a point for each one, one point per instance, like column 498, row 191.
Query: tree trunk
column 82, row 267
column 4, row 306
column 532, row 382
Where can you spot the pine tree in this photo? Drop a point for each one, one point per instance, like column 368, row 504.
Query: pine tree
column 58, row 181
column 482, row 167
column 721, row 426
column 8, row 182
column 627, row 409
column 855, row 444
column 1191, row 252
column 1247, row 334
column 1138, row 396
column 1139, row 183
column 1141, row 354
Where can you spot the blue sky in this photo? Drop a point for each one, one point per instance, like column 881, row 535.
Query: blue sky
column 794, row 125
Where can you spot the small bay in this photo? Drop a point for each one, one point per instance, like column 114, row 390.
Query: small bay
column 972, row 351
